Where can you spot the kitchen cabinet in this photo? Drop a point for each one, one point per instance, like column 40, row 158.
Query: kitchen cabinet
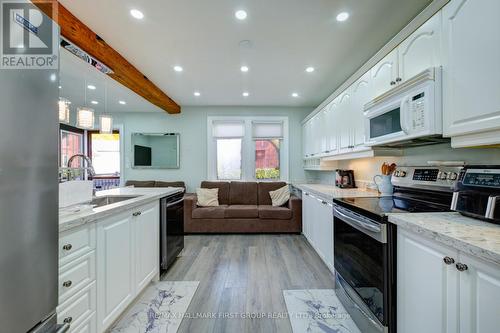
column 361, row 94
column 452, row 290
column 426, row 286
column 384, row 74
column 479, row 295
column 471, row 72
column 344, row 114
column 317, row 224
column 332, row 127
column 147, row 245
column 127, row 259
column 421, row 50
column 115, row 267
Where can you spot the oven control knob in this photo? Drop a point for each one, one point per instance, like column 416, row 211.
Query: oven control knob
column 452, row 176
column 396, row 173
column 402, row 174
column 442, row 175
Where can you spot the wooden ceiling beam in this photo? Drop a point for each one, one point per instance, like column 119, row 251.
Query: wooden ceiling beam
column 123, row 72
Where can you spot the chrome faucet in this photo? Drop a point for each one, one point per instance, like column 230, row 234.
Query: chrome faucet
column 89, row 168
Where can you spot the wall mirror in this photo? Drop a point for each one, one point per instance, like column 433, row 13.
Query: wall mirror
column 155, row 150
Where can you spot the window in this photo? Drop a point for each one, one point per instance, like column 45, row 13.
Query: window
column 70, row 143
column 104, row 150
column 267, row 159
column 267, row 137
column 228, row 159
column 247, row 148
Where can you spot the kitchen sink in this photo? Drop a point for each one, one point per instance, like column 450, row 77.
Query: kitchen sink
column 108, row 200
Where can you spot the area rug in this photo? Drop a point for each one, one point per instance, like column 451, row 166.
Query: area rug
column 160, row 309
column 317, row 311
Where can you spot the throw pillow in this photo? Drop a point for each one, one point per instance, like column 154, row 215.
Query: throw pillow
column 207, row 197
column 280, row 196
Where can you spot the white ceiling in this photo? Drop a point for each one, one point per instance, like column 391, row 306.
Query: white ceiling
column 286, row 36
column 75, row 76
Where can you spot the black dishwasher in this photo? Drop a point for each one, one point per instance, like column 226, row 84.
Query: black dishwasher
column 171, row 229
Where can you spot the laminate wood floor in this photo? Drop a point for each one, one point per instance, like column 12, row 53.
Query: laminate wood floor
column 242, row 278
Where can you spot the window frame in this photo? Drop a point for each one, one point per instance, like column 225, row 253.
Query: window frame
column 248, row 148
column 89, row 153
column 72, row 130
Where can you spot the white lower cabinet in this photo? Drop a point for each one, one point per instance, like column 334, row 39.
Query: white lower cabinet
column 115, row 267
column 440, row 289
column 317, row 224
column 105, row 265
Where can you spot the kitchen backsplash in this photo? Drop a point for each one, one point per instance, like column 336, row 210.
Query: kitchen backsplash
column 366, row 168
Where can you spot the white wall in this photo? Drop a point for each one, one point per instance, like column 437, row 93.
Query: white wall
column 192, row 126
column 366, row 168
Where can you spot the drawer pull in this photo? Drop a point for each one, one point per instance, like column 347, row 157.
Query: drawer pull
column 67, row 247
column 462, row 267
column 67, row 284
column 68, row 320
column 136, row 213
column 448, row 260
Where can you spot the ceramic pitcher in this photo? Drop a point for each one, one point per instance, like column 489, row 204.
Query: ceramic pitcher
column 384, row 184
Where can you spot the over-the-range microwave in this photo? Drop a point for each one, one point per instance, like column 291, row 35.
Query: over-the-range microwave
column 409, row 114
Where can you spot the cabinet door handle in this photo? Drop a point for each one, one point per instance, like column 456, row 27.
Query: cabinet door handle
column 136, row 214
column 462, row 267
column 67, row 284
column 398, row 79
column 448, row 260
column 67, row 247
column 393, row 83
column 324, row 202
column 68, row 320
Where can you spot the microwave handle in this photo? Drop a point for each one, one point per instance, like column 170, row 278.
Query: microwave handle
column 403, row 110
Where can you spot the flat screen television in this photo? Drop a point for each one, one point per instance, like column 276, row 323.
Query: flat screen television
column 142, row 155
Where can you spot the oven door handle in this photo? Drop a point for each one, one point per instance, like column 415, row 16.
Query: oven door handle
column 170, row 204
column 375, row 231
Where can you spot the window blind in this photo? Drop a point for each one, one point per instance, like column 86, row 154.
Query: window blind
column 228, row 129
column 267, row 130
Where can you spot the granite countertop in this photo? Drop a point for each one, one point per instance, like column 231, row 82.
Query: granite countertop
column 329, row 192
column 69, row 219
column 472, row 236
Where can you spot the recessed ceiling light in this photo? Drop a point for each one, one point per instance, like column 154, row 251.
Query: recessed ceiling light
column 178, row 68
column 341, row 17
column 60, row 87
column 295, row 95
column 95, row 102
column 53, row 77
column 310, row 69
column 244, row 69
column 91, row 87
column 137, row 14
column 246, row 94
column 197, row 93
column 241, row 14
column 122, row 102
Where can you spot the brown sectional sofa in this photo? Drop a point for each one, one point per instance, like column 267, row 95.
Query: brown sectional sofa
column 244, row 207
column 155, row 183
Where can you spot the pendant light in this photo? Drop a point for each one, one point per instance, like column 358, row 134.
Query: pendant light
column 64, row 110
column 106, row 121
column 85, row 115
column 85, row 118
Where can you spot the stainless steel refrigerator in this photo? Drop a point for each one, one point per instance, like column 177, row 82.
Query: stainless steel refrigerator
column 28, row 200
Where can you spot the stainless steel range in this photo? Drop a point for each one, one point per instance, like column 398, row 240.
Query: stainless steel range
column 365, row 244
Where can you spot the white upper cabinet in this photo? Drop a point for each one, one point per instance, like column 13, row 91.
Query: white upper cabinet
column 471, row 71
column 384, row 74
column 361, row 94
column 323, row 128
column 332, row 126
column 344, row 118
column 421, row 50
